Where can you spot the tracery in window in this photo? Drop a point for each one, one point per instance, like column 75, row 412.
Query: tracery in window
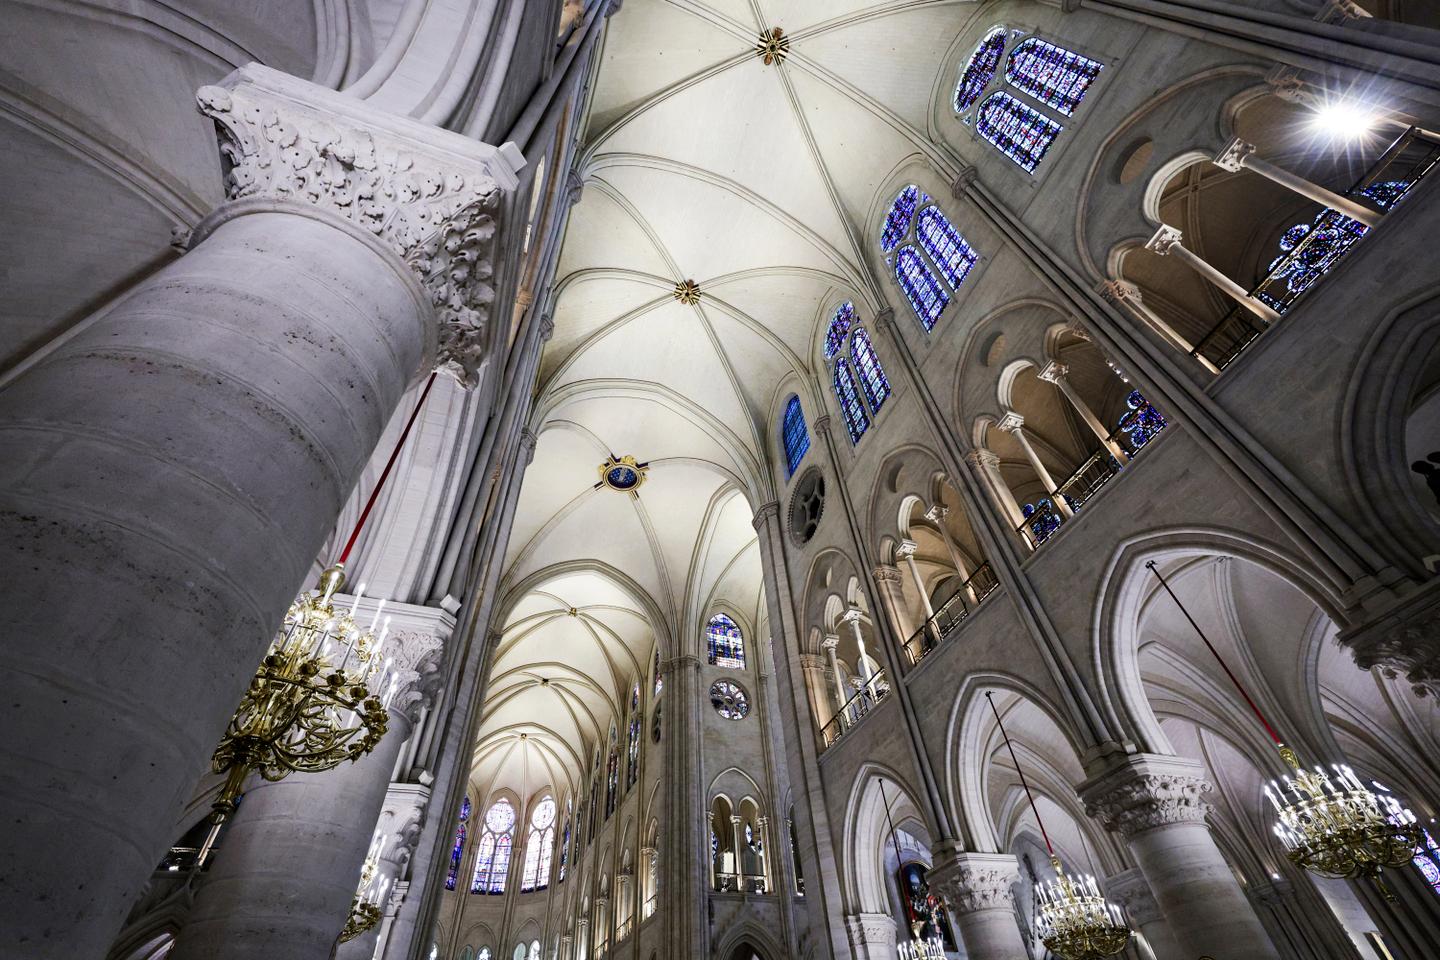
column 926, row 296
column 655, row 723
column 729, row 700
column 856, row 422
column 1022, row 134
column 1427, row 861
column 872, row 375
column 726, row 642
column 839, row 328
column 492, row 856
column 897, row 221
column 949, row 251
column 565, row 841
column 632, row 767
column 457, row 851
column 1053, row 75
column 539, row 847
column 659, row 681
column 794, row 434
column 980, row 69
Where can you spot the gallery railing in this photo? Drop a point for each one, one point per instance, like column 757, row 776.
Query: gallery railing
column 950, row 614
column 866, row 696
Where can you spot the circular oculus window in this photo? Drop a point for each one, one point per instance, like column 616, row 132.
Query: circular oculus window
column 729, row 700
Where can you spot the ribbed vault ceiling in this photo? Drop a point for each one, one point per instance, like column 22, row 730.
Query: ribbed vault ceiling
column 763, row 184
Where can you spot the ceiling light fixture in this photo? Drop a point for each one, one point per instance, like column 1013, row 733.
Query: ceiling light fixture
column 1074, row 920
column 1330, row 823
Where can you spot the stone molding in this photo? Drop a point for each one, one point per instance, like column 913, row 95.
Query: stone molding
column 763, row 513
column 885, row 573
column 416, row 661
column 1132, row 892
column 1165, row 239
column 1147, row 792
column 1053, row 372
column 547, row 328
column 822, row 424
column 979, row 458
column 1118, row 291
column 430, row 195
column 871, row 929
column 1232, row 157
column 963, row 181
column 976, row 881
column 1403, row 640
column 1011, row 422
column 402, row 818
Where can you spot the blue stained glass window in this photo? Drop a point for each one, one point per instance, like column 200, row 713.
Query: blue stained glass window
column 1427, row 861
column 897, row 221
column 726, row 642
column 1020, row 133
column 492, row 855
column 632, row 758
column 612, row 776
column 565, row 842
column 856, row 422
column 839, row 329
column 1042, row 518
column 980, row 69
column 1141, row 422
column 872, row 375
column 951, row 252
column 795, row 437
column 927, row 298
column 1051, row 74
column 457, row 852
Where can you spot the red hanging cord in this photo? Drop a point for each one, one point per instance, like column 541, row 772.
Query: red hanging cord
column 1218, row 659
column 380, row 484
column 1023, row 782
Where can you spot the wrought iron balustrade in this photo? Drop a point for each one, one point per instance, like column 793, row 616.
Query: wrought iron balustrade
column 950, row 614
column 741, row 883
column 866, row 696
column 1310, row 251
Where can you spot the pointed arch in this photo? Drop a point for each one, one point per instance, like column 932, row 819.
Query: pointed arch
column 794, row 435
column 922, row 290
column 856, row 422
column 872, row 375
column 1051, row 74
column 1021, row 133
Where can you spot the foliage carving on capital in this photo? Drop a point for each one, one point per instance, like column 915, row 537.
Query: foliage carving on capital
column 416, row 658
column 1410, row 647
column 972, row 888
column 886, row 573
column 431, row 196
column 1134, row 801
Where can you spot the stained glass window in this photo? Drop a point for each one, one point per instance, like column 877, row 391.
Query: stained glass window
column 897, row 221
column 1141, row 422
column 492, row 856
column 659, row 680
column 565, row 843
column 539, row 846
column 794, row 434
column 612, row 776
column 927, row 298
column 1051, row 74
column 951, row 252
column 980, row 69
column 856, row 422
column 729, row 700
column 632, row 768
column 725, row 641
column 457, row 852
column 839, row 329
column 1427, row 861
column 1022, row 134
column 872, row 375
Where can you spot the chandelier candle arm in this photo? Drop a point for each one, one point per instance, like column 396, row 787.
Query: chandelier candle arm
column 1330, row 824
column 1075, row 921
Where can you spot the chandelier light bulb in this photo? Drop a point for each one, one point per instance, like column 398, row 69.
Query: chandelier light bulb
column 1075, row 921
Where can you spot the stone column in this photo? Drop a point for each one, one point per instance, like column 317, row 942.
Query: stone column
column 172, row 470
column 1239, row 155
column 987, row 465
column 872, row 936
column 1125, row 294
column 282, row 884
column 978, row 888
column 400, row 821
column 1131, row 891
column 892, row 597
column 852, row 616
column 649, row 888
column 906, row 552
column 1166, row 242
column 937, row 515
column 1055, row 373
column 817, row 687
column 829, row 645
column 1157, row 805
column 1013, row 423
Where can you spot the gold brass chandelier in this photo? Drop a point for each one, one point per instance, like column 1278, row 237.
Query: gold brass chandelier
column 322, row 693
column 1329, row 823
column 1074, row 920
column 366, row 907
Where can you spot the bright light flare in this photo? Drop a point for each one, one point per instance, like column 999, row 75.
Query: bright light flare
column 1344, row 119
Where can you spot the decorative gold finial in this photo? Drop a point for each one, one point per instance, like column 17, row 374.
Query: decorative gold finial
column 687, row 292
column 773, row 46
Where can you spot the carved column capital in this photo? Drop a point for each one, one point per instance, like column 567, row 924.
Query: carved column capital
column 871, row 934
column 963, row 181
column 1232, row 157
column 830, row 642
column 885, row 320
column 416, row 658
column 976, row 881
column 574, row 187
column 981, row 458
column 822, row 424
column 1054, row 372
column 1166, row 237
column 1403, row 640
column 528, row 440
column 884, row 573
column 1012, row 422
column 1146, row 792
column 764, row 513
column 547, row 327
column 1118, row 291
column 938, row 513
column 1287, row 83
column 430, row 195
column 812, row 661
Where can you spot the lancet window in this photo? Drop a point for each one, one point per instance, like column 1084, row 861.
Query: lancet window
column 849, row 350
column 565, row 841
column 612, row 776
column 457, row 850
column 794, row 435
column 726, row 642
column 632, row 747
column 1044, row 75
column 539, row 847
column 929, row 256
column 492, row 853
